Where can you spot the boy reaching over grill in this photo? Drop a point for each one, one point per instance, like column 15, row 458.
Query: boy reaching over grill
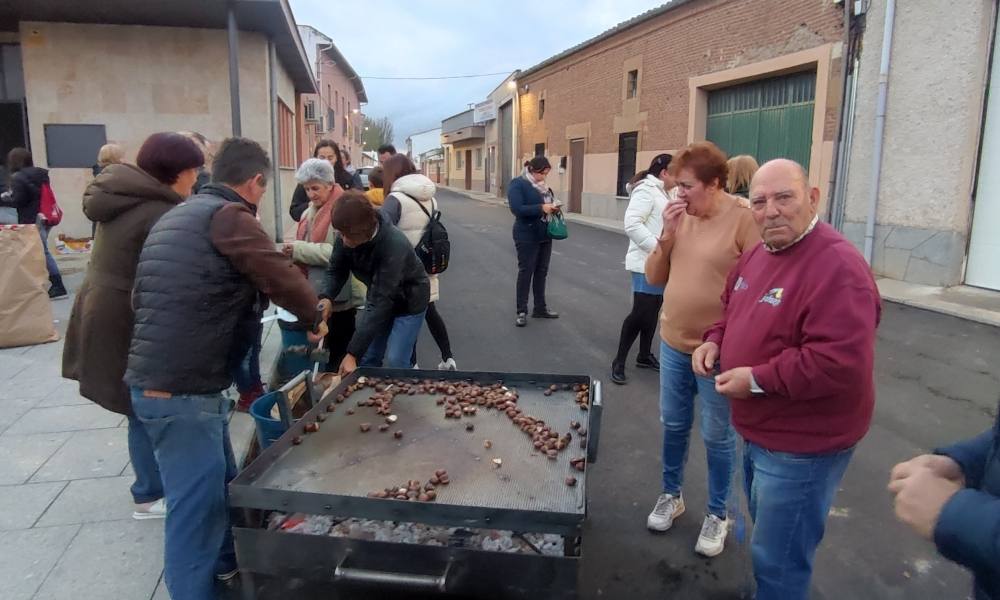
column 380, row 256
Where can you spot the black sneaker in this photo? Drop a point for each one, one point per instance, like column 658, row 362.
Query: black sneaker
column 522, row 319
column 647, row 362
column 618, row 373
column 58, row 291
column 545, row 314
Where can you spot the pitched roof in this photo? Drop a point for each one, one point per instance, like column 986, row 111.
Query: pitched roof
column 337, row 56
column 637, row 20
column 271, row 17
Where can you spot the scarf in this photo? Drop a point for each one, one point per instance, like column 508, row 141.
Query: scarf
column 316, row 229
column 541, row 187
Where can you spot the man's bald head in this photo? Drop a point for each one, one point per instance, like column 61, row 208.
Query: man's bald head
column 782, row 201
column 783, row 167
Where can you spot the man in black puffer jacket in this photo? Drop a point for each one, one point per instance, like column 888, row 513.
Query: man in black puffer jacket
column 382, row 258
column 197, row 299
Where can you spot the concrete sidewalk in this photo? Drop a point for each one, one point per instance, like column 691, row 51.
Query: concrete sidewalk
column 66, row 527
column 964, row 302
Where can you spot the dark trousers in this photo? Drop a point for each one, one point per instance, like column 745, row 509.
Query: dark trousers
column 532, row 269
column 341, row 326
column 435, row 324
column 641, row 323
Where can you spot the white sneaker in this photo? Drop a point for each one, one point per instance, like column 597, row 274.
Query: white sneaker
column 713, row 536
column 448, row 365
column 150, row 510
column 668, row 507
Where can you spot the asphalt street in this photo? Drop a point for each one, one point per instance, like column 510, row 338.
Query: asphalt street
column 936, row 383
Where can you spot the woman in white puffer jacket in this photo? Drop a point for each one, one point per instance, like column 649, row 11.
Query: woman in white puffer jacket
column 406, row 191
column 649, row 193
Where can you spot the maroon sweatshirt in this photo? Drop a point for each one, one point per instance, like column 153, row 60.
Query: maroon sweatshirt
column 804, row 319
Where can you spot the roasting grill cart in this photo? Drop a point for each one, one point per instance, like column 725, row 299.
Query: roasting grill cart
column 333, row 470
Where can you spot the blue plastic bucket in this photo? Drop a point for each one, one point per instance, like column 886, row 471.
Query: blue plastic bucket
column 292, row 363
column 268, row 428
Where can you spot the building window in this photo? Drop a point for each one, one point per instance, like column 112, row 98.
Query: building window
column 73, row 146
column 632, row 87
column 541, row 108
column 458, row 159
column 479, row 158
column 286, row 137
column 539, row 149
column 628, row 144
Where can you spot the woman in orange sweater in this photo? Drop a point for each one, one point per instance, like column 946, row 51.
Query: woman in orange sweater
column 705, row 231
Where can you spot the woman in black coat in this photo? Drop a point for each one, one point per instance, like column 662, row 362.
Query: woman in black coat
column 532, row 203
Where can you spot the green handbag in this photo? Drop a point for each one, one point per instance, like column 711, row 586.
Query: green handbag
column 557, row 227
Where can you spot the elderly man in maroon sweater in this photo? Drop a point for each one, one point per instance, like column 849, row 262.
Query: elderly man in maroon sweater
column 796, row 345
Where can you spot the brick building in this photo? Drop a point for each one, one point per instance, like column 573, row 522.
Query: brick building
column 335, row 112
column 760, row 77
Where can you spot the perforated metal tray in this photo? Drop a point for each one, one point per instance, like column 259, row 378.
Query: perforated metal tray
column 333, row 470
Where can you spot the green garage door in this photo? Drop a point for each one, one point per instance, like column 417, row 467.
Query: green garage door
column 771, row 118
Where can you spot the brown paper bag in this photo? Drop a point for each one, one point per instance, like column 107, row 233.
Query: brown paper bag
column 25, row 311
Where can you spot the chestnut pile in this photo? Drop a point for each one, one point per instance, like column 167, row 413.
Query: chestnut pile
column 414, row 490
column 460, row 399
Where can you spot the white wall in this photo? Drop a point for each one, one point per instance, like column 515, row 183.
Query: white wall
column 935, row 93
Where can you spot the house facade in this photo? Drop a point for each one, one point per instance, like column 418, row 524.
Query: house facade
column 759, row 77
column 929, row 212
column 464, row 151
column 77, row 78
column 334, row 112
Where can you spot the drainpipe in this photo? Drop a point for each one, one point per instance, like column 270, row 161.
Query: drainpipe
column 272, row 85
column 234, row 70
column 883, row 85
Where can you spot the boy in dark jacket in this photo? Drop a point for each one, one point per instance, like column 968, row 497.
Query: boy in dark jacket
column 953, row 498
column 382, row 258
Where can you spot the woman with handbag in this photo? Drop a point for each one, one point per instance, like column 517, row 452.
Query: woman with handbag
column 532, row 203
column 312, row 248
column 649, row 193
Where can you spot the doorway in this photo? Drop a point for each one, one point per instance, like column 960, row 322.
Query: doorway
column 13, row 111
column 576, row 151
column 468, row 169
column 982, row 268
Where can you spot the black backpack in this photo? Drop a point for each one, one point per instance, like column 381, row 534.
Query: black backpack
column 433, row 249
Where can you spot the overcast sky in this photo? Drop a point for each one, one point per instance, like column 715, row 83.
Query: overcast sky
column 423, row 38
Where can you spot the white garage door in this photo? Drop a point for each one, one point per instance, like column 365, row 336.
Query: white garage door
column 984, row 248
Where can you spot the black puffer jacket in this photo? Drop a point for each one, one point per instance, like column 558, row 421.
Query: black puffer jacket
column 26, row 193
column 396, row 279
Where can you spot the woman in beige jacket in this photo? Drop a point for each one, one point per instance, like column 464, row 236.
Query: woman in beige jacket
column 312, row 248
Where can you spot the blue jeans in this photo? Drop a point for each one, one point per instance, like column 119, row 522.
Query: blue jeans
column 678, row 387
column 790, row 496
column 148, row 486
column 396, row 345
column 190, row 436
column 50, row 262
column 247, row 375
